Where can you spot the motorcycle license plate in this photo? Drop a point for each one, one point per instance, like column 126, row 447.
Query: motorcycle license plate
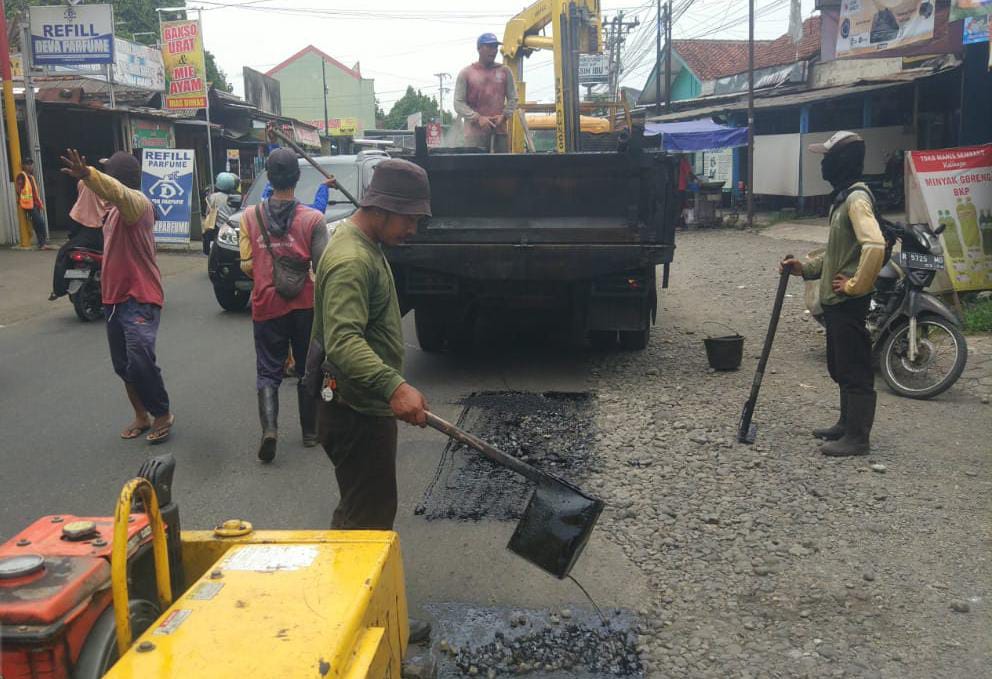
column 77, row 273
column 916, row 260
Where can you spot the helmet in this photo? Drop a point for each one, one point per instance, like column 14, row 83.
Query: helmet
column 226, row 182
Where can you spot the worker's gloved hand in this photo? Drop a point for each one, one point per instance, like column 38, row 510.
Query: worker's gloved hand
column 486, row 122
column 331, row 182
column 409, row 405
column 792, row 265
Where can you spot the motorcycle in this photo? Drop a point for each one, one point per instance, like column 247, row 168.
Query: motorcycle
column 916, row 339
column 82, row 276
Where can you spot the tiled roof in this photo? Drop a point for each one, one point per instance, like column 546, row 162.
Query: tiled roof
column 310, row 49
column 711, row 59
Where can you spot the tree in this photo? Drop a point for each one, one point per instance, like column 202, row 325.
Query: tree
column 413, row 101
column 215, row 75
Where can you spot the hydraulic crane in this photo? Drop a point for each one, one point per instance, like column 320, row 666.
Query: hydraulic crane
column 575, row 29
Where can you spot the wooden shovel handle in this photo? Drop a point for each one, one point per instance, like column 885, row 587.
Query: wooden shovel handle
column 493, row 453
column 278, row 134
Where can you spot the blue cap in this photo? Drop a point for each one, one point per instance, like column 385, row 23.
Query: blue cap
column 487, row 39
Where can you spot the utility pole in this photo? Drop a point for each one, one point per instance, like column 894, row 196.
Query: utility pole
column 31, row 113
column 657, row 63
column 441, row 89
column 10, row 112
column 323, row 79
column 668, row 58
column 750, row 114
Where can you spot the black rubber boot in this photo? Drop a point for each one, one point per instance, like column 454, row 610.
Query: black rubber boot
column 860, row 418
column 835, row 432
column 308, row 416
column 268, row 415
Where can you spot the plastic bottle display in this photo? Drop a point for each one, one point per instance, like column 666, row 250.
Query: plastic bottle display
column 952, row 242
column 968, row 219
column 985, row 224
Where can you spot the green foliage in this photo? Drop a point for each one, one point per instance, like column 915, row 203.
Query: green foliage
column 978, row 316
column 215, row 75
column 413, row 101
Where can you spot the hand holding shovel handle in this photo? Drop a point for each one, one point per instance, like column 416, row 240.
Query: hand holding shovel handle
column 276, row 133
column 746, row 432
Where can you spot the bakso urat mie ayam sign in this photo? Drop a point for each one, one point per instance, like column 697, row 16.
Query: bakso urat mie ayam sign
column 182, row 53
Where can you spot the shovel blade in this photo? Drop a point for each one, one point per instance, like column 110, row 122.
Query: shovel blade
column 555, row 526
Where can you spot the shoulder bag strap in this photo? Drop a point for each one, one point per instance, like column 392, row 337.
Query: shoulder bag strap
column 261, row 227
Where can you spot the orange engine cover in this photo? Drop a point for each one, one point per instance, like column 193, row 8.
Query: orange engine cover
column 54, row 584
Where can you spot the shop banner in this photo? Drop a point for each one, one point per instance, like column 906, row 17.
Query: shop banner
column 953, row 188
column 139, row 66
column 167, row 180
column 970, row 8
column 339, row 127
column 185, row 73
column 976, row 29
column 64, row 35
column 869, row 26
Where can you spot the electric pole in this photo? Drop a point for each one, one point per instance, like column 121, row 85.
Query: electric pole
column 750, row 114
column 323, row 78
column 657, row 63
column 668, row 58
column 441, row 89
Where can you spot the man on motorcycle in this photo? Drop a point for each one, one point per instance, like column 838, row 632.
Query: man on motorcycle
column 847, row 271
column 218, row 210
column 89, row 211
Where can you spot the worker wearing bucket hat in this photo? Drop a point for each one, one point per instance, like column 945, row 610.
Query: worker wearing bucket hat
column 847, row 271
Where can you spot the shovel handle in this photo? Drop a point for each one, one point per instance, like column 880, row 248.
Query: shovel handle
column 493, row 453
column 278, row 134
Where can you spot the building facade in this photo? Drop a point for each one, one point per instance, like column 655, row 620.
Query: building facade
column 349, row 98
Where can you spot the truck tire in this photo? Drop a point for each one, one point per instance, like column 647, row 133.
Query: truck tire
column 430, row 329
column 232, row 299
column 634, row 340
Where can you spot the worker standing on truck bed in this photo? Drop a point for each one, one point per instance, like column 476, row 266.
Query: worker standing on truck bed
column 486, row 97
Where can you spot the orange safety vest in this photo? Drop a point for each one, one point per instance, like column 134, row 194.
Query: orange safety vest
column 28, row 192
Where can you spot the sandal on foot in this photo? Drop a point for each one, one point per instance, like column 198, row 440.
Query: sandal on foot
column 134, row 432
column 161, row 434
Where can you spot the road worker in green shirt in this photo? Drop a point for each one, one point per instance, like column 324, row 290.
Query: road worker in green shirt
column 357, row 320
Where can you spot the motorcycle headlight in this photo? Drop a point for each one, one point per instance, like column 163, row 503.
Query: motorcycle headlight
column 228, row 235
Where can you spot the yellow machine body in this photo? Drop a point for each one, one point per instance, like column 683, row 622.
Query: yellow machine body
column 276, row 604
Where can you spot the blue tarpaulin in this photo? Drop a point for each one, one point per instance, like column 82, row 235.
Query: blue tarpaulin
column 697, row 135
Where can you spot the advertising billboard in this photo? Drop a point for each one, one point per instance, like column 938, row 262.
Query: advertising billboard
column 67, row 35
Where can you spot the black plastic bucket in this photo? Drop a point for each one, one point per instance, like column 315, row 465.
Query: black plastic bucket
column 725, row 353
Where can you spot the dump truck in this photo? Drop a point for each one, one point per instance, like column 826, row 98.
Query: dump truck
column 574, row 236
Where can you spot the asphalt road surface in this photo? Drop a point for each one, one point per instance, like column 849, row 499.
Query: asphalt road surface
column 62, row 409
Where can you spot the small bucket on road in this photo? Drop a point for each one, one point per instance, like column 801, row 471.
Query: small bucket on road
column 726, row 352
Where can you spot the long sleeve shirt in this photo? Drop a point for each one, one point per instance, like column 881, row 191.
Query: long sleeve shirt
column 129, row 269
column 482, row 91
column 357, row 319
column 318, row 241
column 855, row 248
column 320, row 198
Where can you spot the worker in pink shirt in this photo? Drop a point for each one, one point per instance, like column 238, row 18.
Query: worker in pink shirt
column 486, row 97
column 88, row 212
column 131, row 286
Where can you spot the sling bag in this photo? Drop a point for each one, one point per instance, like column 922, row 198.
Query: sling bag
column 289, row 273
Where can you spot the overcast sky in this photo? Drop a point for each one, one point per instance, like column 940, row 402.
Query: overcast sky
column 400, row 43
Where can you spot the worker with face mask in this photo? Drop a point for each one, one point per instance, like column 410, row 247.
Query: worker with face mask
column 847, row 271
column 485, row 98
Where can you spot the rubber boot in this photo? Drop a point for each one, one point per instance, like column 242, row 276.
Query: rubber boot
column 308, row 416
column 268, row 415
column 856, row 439
column 835, row 432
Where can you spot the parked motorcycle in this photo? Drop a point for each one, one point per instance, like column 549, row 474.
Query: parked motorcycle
column 82, row 276
column 916, row 338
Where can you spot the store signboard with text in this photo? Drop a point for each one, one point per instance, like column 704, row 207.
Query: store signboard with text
column 69, row 35
column 185, row 72
column 953, row 188
column 167, row 181
column 870, row 26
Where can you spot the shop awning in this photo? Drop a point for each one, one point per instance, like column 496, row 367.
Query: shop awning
column 697, row 135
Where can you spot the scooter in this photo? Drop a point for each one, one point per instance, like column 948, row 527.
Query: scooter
column 82, row 276
column 916, row 339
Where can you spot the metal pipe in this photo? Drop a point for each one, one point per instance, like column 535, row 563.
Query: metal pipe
column 657, row 63
column 750, row 114
column 668, row 58
column 323, row 79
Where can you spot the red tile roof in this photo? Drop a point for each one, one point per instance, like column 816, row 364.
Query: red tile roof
column 711, row 59
column 310, row 49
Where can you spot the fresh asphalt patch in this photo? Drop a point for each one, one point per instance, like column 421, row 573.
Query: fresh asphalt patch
column 470, row 641
column 553, row 431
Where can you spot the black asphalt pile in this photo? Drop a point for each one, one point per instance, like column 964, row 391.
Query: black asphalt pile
column 501, row 642
column 552, row 431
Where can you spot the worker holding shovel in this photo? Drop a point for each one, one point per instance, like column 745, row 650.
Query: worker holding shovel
column 847, row 272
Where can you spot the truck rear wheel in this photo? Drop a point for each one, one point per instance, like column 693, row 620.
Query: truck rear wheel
column 430, row 329
column 634, row 340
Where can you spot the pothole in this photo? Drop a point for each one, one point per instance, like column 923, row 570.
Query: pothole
column 553, row 431
column 469, row 641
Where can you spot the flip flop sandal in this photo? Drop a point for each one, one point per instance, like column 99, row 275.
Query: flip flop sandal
column 161, row 434
column 134, row 432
